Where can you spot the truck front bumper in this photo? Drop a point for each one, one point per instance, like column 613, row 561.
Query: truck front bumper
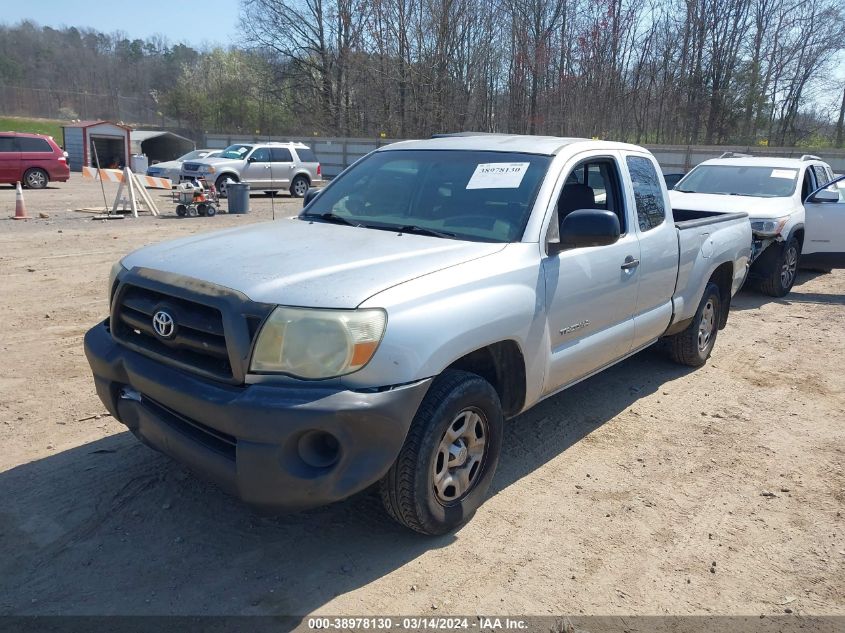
column 275, row 447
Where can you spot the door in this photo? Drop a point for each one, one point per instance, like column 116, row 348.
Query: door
column 257, row 170
column 282, row 166
column 591, row 292
column 658, row 268
column 824, row 227
column 10, row 159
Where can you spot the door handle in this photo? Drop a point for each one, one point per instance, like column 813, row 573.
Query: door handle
column 630, row 263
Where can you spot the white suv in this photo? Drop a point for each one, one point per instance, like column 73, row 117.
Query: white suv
column 267, row 167
column 797, row 215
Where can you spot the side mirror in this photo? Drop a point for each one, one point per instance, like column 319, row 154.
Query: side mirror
column 824, row 195
column 588, row 227
column 312, row 193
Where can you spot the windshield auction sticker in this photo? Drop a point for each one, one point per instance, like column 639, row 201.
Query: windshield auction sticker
column 497, row 176
column 783, row 173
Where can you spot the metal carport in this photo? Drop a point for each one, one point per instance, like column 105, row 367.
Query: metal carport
column 159, row 145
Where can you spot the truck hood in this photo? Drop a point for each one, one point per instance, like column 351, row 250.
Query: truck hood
column 310, row 264
column 216, row 160
column 754, row 207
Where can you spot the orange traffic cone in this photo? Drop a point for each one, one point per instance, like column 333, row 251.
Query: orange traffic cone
column 20, row 207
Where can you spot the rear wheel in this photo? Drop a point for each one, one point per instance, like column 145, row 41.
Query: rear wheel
column 35, row 178
column 210, row 210
column 784, row 270
column 693, row 346
column 447, row 462
column 299, row 187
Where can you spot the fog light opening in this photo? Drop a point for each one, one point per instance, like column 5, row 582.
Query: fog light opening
column 319, row 449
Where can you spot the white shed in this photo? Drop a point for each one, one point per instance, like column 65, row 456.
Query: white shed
column 86, row 141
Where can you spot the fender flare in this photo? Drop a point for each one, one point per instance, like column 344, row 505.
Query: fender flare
column 794, row 230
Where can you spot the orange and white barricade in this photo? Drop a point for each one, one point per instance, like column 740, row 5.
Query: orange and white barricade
column 116, row 175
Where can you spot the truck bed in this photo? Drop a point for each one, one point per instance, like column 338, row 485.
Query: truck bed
column 690, row 218
column 705, row 237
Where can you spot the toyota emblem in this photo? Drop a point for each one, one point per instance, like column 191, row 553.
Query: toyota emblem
column 163, row 324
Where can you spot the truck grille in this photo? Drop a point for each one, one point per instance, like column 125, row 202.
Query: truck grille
column 191, row 166
column 198, row 342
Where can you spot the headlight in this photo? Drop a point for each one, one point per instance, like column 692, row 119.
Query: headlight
column 768, row 228
column 207, row 169
column 309, row 343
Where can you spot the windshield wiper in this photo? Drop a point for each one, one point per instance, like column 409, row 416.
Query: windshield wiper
column 422, row 230
column 332, row 217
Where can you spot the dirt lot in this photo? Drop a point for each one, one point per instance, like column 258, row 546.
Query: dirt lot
column 648, row 489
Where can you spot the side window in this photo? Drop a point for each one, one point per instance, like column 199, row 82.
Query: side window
column 593, row 184
column 261, row 155
column 648, row 195
column 7, row 144
column 28, row 144
column 306, row 155
column 821, row 175
column 281, row 155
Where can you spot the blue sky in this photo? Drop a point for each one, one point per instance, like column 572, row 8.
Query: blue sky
column 194, row 22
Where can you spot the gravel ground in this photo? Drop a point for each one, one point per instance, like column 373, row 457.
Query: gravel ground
column 648, row 489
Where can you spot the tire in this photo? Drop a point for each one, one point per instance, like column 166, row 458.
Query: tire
column 468, row 407
column 202, row 208
column 693, row 346
column 181, row 210
column 192, row 211
column 220, row 184
column 299, row 187
column 210, row 210
column 35, row 178
column 782, row 277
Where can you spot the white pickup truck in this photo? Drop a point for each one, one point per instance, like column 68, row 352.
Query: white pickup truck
column 432, row 291
column 797, row 213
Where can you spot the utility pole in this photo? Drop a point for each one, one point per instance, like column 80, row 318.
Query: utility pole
column 841, row 121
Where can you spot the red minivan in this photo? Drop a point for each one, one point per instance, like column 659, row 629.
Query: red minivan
column 31, row 159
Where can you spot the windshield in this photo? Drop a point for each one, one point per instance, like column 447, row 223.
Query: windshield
column 760, row 182
column 477, row 196
column 235, row 151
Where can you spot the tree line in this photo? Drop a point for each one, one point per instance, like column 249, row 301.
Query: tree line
column 647, row 71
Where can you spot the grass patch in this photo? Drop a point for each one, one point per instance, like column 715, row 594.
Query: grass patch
column 51, row 127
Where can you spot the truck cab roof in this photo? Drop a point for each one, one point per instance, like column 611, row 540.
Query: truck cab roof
column 542, row 145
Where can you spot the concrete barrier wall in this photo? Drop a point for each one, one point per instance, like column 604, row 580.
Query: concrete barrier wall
column 337, row 153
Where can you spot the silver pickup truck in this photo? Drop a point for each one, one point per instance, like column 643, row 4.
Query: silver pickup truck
column 434, row 290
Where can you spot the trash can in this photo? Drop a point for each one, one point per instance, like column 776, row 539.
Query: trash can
column 238, row 194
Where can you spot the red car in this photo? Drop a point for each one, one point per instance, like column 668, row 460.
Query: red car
column 31, row 159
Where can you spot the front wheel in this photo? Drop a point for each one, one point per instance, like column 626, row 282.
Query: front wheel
column 784, row 270
column 221, row 184
column 299, row 187
column 693, row 346
column 447, row 462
